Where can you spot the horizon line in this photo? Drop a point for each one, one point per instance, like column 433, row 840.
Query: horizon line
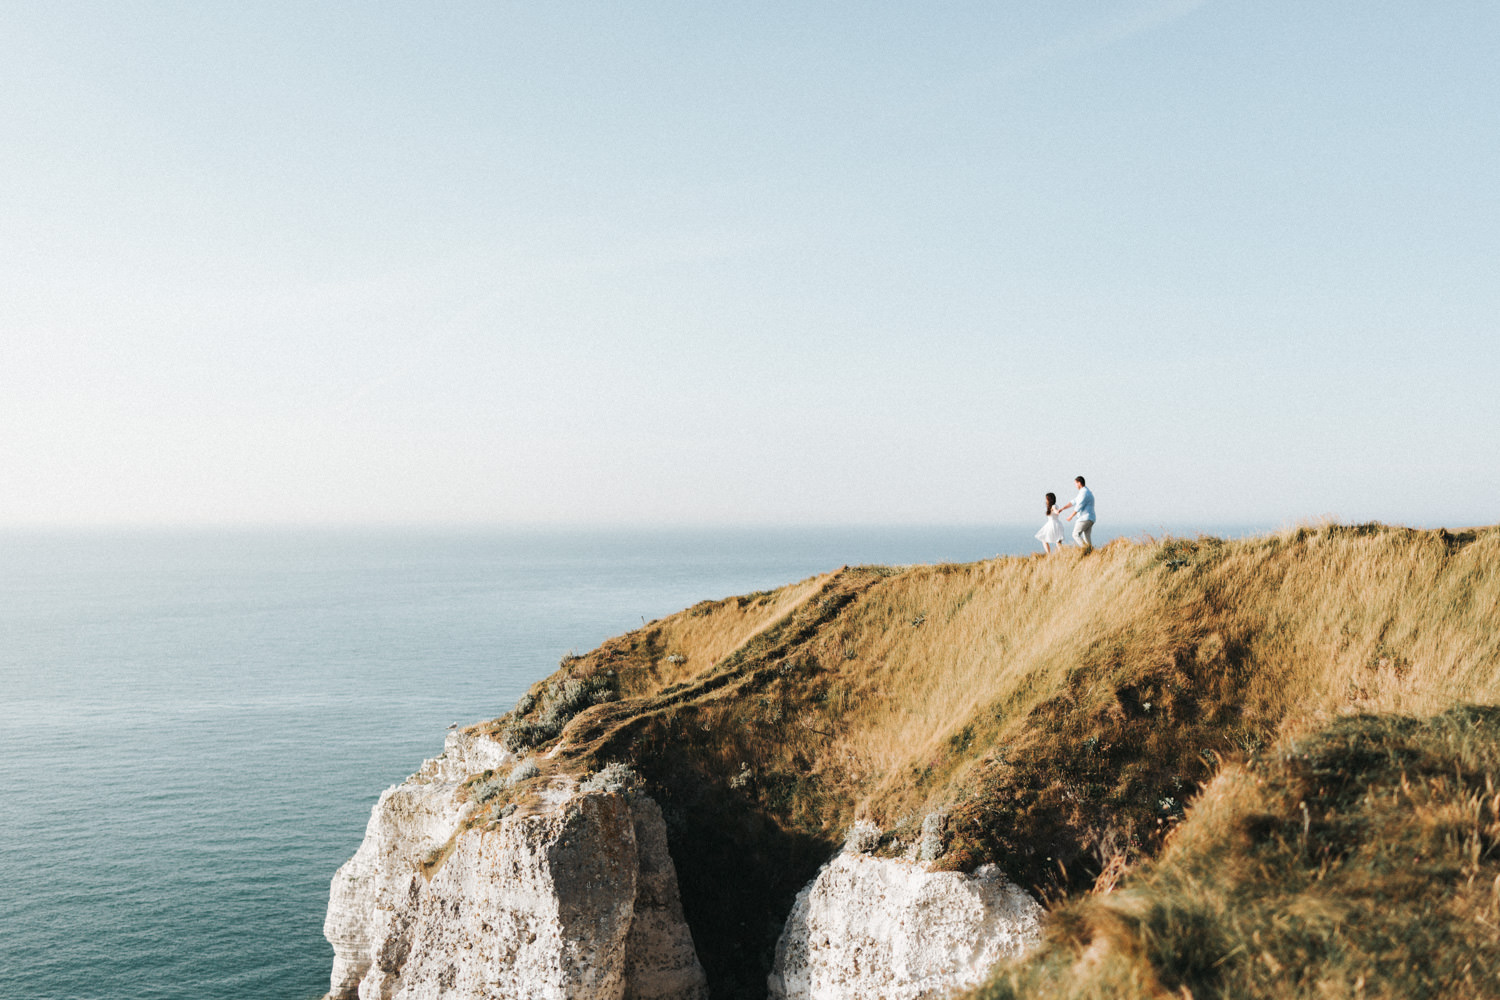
column 1115, row 528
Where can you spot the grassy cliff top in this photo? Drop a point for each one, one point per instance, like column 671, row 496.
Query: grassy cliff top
column 1059, row 712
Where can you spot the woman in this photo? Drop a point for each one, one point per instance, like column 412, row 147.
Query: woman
column 1052, row 532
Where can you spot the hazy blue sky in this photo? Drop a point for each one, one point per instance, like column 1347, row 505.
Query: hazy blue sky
column 748, row 262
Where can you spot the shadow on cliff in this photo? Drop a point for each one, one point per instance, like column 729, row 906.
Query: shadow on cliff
column 738, row 871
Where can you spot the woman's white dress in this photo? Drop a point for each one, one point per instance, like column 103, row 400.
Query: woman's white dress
column 1052, row 531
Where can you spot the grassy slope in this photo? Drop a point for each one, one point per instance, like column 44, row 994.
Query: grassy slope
column 1357, row 861
column 1058, row 710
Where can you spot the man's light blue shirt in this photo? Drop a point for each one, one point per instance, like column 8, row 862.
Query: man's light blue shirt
column 1084, row 502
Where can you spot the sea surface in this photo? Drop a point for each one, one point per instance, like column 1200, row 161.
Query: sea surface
column 194, row 725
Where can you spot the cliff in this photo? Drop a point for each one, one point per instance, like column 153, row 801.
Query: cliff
column 1029, row 723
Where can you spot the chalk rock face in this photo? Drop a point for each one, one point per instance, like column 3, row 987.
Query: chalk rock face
column 884, row 929
column 465, row 754
column 411, row 822
column 571, row 898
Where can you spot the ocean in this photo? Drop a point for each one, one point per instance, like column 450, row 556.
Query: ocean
column 195, row 724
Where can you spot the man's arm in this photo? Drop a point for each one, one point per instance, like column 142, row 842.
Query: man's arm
column 1073, row 503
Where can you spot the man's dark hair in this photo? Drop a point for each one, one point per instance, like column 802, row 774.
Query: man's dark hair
column 1079, row 481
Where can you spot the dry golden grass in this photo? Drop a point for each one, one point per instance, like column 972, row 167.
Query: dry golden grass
column 1327, row 621
column 1058, row 709
column 701, row 636
column 1330, row 620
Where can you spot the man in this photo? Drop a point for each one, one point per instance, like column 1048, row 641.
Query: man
column 1083, row 509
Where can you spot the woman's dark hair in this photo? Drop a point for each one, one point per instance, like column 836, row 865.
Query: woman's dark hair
column 1051, row 502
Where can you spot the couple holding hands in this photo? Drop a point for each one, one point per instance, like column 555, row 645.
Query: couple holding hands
column 1083, row 510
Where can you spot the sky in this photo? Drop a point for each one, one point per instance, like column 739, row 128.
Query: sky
column 656, row 263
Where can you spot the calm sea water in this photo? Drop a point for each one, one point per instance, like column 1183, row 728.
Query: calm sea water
column 193, row 726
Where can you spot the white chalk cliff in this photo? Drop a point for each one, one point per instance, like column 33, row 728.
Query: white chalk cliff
column 572, row 897
column 872, row 928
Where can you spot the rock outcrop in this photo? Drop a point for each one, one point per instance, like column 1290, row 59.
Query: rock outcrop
column 572, row 897
column 872, row 928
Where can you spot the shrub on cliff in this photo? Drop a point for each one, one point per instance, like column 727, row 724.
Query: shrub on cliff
column 488, row 786
column 616, row 777
column 540, row 717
